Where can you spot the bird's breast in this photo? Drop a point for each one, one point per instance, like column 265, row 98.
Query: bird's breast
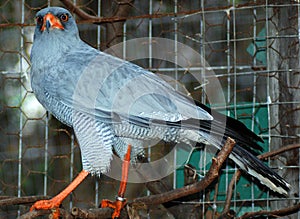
column 45, row 90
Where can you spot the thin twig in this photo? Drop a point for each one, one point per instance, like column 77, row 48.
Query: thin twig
column 275, row 213
column 82, row 14
column 235, row 178
column 100, row 20
column 216, row 191
column 87, row 18
column 211, row 175
column 5, row 201
column 278, row 151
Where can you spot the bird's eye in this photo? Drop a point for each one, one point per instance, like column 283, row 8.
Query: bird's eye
column 64, row 17
column 39, row 20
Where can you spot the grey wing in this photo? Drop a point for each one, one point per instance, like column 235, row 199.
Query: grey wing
column 109, row 89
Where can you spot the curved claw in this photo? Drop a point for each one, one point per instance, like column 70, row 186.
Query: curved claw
column 54, row 203
column 51, row 204
column 45, row 205
column 120, row 200
column 116, row 205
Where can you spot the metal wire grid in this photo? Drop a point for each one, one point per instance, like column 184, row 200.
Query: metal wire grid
column 34, row 146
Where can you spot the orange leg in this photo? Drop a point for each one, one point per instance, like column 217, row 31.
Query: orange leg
column 120, row 200
column 55, row 202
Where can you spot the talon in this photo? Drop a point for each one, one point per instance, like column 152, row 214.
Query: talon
column 106, row 203
column 120, row 200
column 45, row 205
column 55, row 202
column 116, row 205
column 55, row 214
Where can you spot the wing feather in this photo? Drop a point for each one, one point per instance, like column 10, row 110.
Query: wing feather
column 111, row 89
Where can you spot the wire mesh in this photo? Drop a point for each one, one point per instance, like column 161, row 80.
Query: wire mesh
column 251, row 46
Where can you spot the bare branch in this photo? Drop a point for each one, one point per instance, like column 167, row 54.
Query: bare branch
column 82, row 14
column 275, row 213
column 279, row 151
column 35, row 213
column 166, row 196
column 100, row 20
column 5, row 201
column 92, row 213
column 230, row 190
column 211, row 175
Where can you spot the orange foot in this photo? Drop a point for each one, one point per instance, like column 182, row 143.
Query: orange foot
column 47, row 204
column 44, row 204
column 55, row 202
column 120, row 200
column 116, row 205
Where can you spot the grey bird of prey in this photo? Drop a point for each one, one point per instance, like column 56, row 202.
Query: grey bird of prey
column 111, row 103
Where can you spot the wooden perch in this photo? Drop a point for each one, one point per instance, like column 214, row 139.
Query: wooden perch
column 36, row 213
column 211, row 175
column 92, row 213
column 76, row 213
column 5, row 201
column 278, row 151
column 168, row 196
column 275, row 213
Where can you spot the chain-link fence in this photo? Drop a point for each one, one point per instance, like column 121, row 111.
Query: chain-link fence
column 252, row 47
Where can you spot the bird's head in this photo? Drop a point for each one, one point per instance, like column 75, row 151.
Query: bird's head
column 55, row 20
column 55, row 33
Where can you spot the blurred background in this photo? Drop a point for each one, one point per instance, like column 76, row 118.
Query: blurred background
column 251, row 46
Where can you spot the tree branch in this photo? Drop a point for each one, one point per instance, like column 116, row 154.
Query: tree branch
column 275, row 213
column 5, row 201
column 230, row 189
column 211, row 175
column 82, row 14
column 278, row 151
column 100, row 20
column 36, row 213
column 92, row 213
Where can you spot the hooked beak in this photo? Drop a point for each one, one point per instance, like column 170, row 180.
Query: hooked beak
column 51, row 22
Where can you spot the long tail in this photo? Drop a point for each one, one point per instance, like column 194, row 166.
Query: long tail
column 256, row 168
column 246, row 161
column 242, row 154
